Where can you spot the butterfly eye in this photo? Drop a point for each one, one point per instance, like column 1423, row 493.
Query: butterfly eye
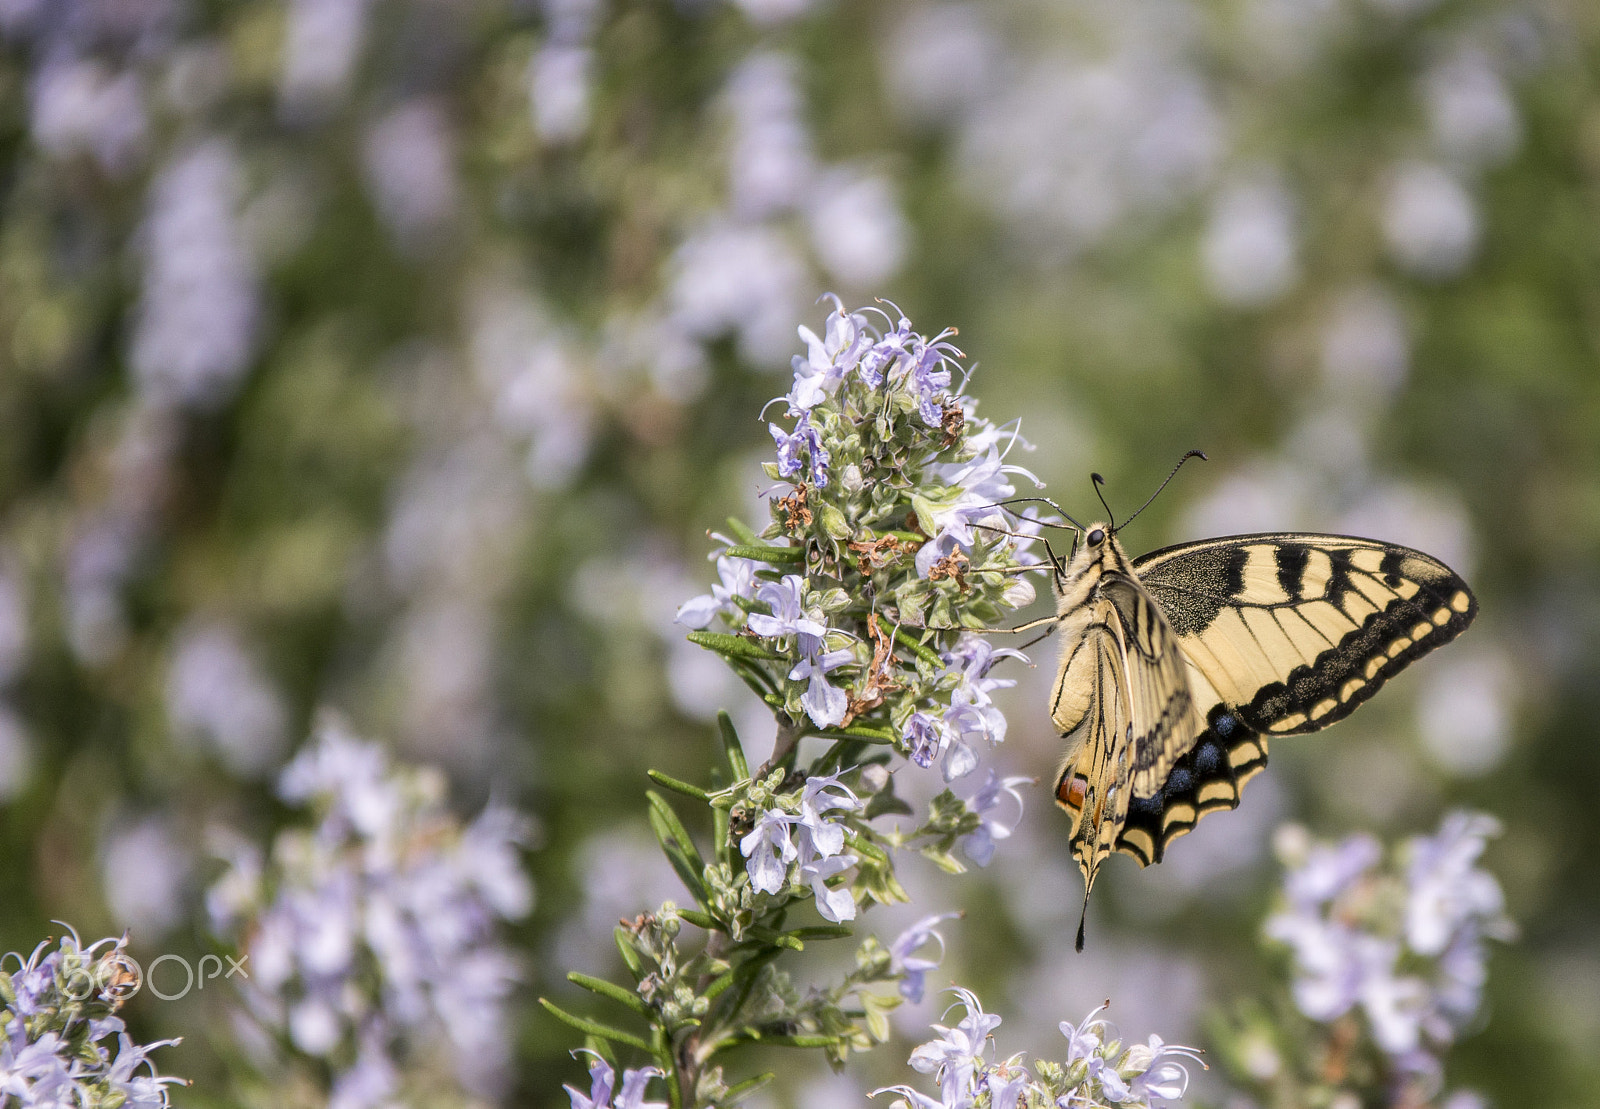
column 1096, row 537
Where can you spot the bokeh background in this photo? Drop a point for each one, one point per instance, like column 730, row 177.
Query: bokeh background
column 396, row 355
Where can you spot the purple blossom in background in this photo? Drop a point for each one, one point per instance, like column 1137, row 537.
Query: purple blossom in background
column 1352, row 926
column 387, row 879
column 198, row 303
column 1447, row 891
column 914, row 968
column 737, row 579
column 770, row 850
column 979, row 846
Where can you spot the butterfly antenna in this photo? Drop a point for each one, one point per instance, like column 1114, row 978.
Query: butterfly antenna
column 1112, row 516
column 1192, row 454
column 1042, row 500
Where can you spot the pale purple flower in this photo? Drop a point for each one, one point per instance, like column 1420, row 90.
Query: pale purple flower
column 827, row 360
column 1446, row 892
column 930, row 376
column 738, row 579
column 957, row 1052
column 1006, row 1083
column 603, row 1080
column 837, row 905
column 979, row 846
column 1330, row 870
column 972, row 714
column 825, row 703
column 50, row 1050
column 1083, row 1039
column 1160, row 1081
column 977, row 488
column 806, row 439
column 387, row 879
column 912, row 967
column 919, row 1100
column 770, row 850
column 786, row 598
column 926, row 736
column 820, row 837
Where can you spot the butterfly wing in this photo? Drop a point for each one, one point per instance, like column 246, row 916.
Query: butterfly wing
column 1161, row 703
column 1294, row 631
column 1283, row 633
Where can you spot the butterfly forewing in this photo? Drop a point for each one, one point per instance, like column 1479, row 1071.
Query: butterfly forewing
column 1295, row 630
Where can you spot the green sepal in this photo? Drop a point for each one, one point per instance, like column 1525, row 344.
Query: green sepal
column 676, row 786
column 735, row 646
column 604, row 988
column 595, row 1028
column 760, row 552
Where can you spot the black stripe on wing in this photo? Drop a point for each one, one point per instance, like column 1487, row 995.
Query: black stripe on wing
column 1388, row 640
column 1207, row 779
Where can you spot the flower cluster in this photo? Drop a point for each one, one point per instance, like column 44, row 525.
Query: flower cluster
column 372, row 932
column 888, row 521
column 58, row 1028
column 1388, row 961
column 818, row 855
column 1406, row 945
column 1098, row 1069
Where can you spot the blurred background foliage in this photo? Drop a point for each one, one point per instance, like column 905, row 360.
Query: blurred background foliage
column 395, row 356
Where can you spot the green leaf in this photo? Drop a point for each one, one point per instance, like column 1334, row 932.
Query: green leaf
column 732, row 747
column 747, row 1087
column 824, row 932
column 861, row 731
column 595, row 1028
column 677, row 845
column 757, row 552
column 702, row 920
column 676, row 786
column 802, row 1040
column 921, row 650
column 734, row 646
column 741, row 530
column 630, row 957
column 609, row 989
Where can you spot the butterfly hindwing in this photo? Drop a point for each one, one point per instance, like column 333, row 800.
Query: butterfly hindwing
column 1207, row 778
column 1295, row 630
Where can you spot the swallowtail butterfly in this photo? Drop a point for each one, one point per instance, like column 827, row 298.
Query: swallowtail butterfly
column 1178, row 666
